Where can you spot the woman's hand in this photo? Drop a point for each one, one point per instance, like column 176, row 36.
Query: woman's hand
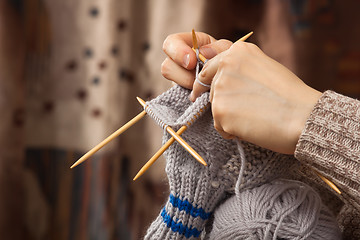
column 181, row 61
column 256, row 98
column 253, row 97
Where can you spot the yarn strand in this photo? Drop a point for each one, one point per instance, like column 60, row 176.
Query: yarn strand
column 242, row 166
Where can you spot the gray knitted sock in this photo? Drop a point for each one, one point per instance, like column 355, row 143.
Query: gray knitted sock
column 195, row 190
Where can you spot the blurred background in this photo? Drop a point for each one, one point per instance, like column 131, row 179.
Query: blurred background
column 70, row 72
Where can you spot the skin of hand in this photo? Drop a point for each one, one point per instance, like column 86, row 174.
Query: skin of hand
column 253, row 97
column 181, row 61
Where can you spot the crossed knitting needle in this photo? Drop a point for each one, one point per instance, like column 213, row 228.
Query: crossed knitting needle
column 175, row 135
column 183, row 128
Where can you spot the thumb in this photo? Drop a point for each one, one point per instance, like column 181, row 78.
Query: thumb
column 213, row 49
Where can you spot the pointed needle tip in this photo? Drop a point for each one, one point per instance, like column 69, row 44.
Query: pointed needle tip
column 246, row 36
column 79, row 161
column 141, row 101
column 194, row 40
column 137, row 175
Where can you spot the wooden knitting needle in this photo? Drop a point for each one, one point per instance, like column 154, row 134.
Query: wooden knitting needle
column 109, row 138
column 243, row 39
column 180, row 140
column 195, row 44
column 194, row 39
column 328, row 182
column 159, row 153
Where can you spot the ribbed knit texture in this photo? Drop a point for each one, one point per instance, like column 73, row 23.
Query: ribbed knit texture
column 330, row 142
column 195, row 190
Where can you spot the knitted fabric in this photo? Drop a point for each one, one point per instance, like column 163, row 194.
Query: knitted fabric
column 282, row 209
column 195, row 190
column 330, row 142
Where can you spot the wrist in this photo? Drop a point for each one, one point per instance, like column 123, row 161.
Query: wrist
column 302, row 114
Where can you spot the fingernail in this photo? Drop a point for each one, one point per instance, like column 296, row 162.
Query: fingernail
column 208, row 52
column 186, row 60
column 192, row 97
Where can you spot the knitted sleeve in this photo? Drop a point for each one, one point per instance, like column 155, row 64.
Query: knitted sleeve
column 330, row 142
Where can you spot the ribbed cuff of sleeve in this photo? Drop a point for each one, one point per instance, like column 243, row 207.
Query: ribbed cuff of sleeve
column 179, row 219
column 330, row 142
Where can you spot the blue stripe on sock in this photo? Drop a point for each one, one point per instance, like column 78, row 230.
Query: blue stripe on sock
column 186, row 206
column 178, row 226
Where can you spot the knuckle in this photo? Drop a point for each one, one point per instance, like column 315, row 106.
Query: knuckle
column 227, row 129
column 165, row 68
column 204, row 73
column 222, row 83
column 220, row 115
column 167, row 42
column 226, row 43
column 252, row 47
column 217, row 127
column 188, row 84
column 242, row 46
column 217, row 84
column 246, row 47
column 217, row 111
column 226, row 60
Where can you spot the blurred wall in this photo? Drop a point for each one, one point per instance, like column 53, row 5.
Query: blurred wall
column 69, row 75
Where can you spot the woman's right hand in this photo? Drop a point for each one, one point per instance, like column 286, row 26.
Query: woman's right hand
column 253, row 97
column 181, row 59
column 257, row 99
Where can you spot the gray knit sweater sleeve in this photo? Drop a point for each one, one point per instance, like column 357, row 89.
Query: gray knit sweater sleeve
column 330, row 142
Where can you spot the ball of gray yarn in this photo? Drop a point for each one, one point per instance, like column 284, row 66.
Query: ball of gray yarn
column 283, row 209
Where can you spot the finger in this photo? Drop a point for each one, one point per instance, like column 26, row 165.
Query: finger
column 178, row 47
column 227, row 135
column 207, row 73
column 224, row 134
column 214, row 48
column 172, row 71
column 205, row 77
column 213, row 84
